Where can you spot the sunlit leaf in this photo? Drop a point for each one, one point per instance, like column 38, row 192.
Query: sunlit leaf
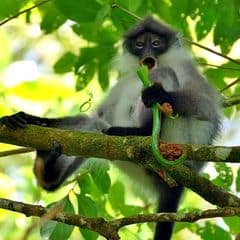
column 51, row 18
column 65, row 63
column 100, row 176
column 116, row 196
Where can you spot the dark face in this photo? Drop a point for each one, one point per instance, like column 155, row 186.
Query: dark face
column 147, row 47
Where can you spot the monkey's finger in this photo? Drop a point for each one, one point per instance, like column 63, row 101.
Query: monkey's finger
column 8, row 123
column 20, row 120
column 18, row 123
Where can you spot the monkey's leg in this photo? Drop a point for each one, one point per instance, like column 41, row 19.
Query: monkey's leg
column 168, row 202
column 51, row 168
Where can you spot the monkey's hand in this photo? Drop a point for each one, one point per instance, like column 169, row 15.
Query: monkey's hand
column 21, row 119
column 155, row 94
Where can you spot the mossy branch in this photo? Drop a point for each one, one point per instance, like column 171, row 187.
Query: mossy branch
column 134, row 149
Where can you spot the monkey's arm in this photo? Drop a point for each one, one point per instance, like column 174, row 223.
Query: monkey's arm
column 21, row 119
column 186, row 103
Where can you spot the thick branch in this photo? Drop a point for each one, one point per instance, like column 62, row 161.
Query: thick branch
column 135, row 149
column 109, row 229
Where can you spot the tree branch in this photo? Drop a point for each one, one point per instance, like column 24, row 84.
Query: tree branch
column 109, row 229
column 135, row 149
column 16, row 151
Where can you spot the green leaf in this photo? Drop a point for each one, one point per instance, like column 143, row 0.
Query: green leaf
column 233, row 223
column 51, row 17
column 104, row 35
column 116, row 196
column 87, row 207
column 216, row 77
column 238, row 180
column 213, row 232
column 208, row 15
column 103, row 76
column 10, row 7
column 88, row 64
column 85, row 184
column 226, row 31
column 162, row 9
column 225, row 176
column 134, row 5
column 102, row 14
column 130, row 210
column 122, row 20
column 65, row 63
column 85, row 75
column 56, row 230
column 101, row 177
column 81, row 11
column 228, row 112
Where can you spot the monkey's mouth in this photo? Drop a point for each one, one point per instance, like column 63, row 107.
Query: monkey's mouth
column 150, row 62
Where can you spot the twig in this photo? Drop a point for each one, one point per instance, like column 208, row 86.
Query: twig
column 23, row 11
column 16, row 151
column 230, row 85
column 109, row 229
column 211, row 50
column 115, row 5
column 219, row 66
column 234, row 100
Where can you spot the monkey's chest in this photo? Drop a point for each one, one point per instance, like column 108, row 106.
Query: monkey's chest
column 125, row 109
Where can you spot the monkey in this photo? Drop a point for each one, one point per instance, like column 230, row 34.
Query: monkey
column 126, row 111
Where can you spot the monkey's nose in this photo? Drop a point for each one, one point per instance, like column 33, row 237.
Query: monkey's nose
column 150, row 62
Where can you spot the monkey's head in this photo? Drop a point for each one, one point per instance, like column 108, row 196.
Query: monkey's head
column 148, row 40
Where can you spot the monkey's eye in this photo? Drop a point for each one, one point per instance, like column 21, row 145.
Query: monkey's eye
column 139, row 44
column 156, row 43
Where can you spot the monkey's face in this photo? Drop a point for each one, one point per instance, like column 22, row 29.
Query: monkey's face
column 147, row 47
column 148, row 40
